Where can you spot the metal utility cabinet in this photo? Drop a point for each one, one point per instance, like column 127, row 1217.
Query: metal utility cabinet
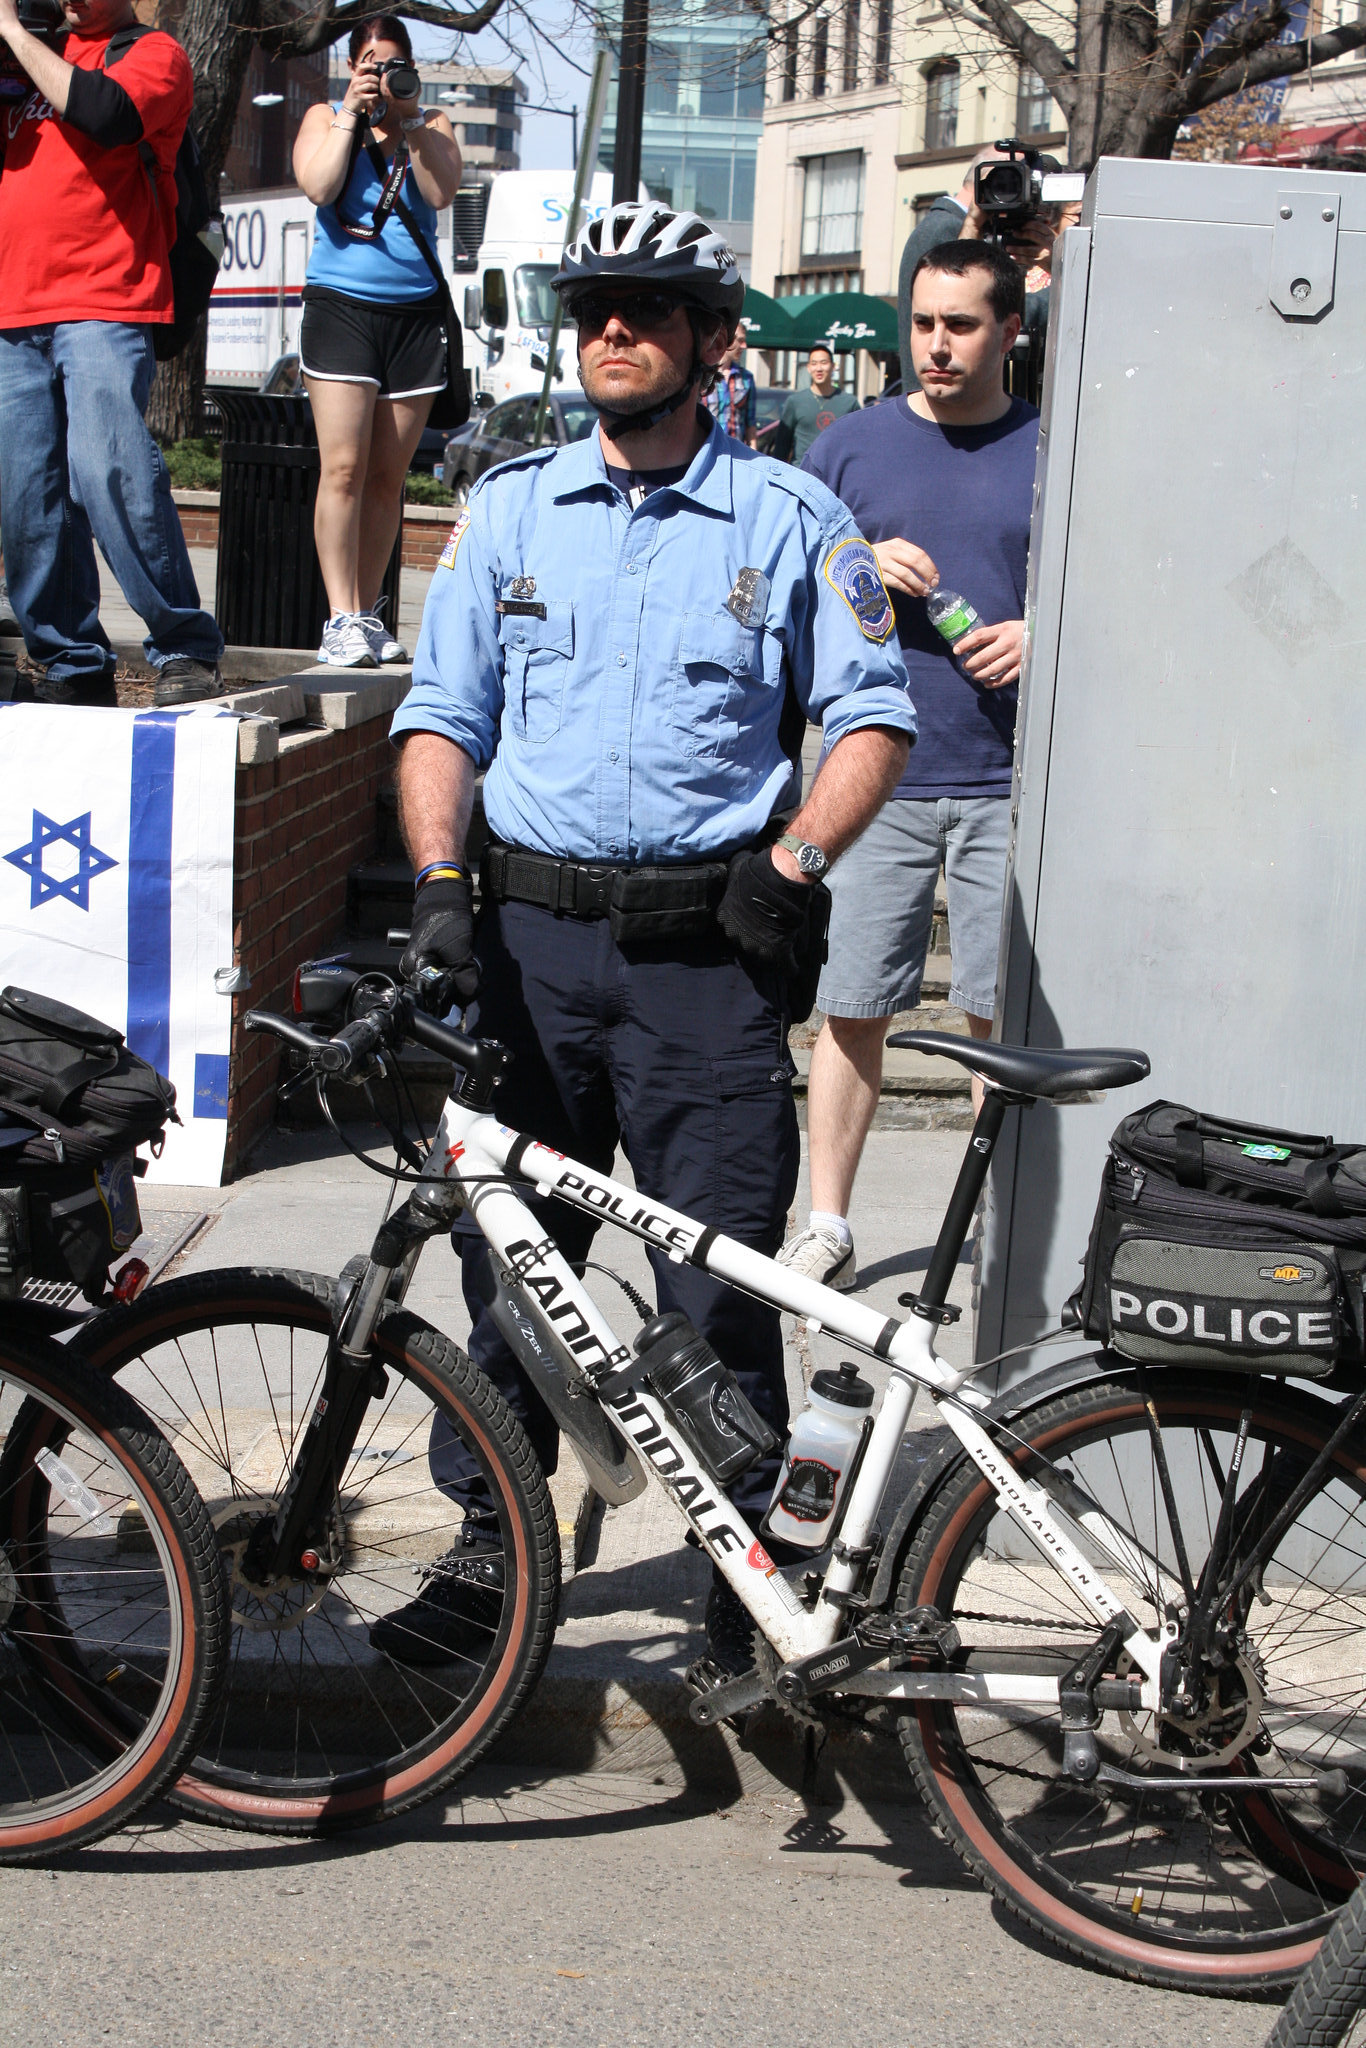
column 1188, row 870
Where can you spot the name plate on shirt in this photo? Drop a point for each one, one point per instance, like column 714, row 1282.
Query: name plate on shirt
column 520, row 608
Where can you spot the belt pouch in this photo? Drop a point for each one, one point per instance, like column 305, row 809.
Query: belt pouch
column 650, row 904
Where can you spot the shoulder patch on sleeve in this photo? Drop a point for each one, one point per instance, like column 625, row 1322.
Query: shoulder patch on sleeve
column 852, row 570
column 446, row 559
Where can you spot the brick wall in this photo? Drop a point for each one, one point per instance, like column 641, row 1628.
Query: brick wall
column 425, row 527
column 302, row 820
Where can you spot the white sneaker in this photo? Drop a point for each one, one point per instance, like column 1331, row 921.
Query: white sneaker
column 345, row 645
column 817, row 1255
column 379, row 639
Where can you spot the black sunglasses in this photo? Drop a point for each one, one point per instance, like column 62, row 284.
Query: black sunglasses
column 642, row 311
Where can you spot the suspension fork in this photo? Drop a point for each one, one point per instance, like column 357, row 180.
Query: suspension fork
column 352, row 1379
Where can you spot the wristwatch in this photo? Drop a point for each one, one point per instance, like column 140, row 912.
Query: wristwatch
column 413, row 121
column 809, row 858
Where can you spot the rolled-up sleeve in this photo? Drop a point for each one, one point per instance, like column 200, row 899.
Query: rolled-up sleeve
column 853, row 660
column 458, row 668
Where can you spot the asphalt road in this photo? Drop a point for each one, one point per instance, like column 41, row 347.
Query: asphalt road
column 573, row 1911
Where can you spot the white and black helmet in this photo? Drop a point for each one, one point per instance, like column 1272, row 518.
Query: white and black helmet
column 652, row 245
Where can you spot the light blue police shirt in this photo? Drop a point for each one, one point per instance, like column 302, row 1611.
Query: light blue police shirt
column 586, row 650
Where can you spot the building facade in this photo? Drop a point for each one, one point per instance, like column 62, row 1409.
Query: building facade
column 872, row 112
column 483, row 104
column 704, row 112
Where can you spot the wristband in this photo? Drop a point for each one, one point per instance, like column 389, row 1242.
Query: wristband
column 440, row 870
column 345, row 130
column 413, row 121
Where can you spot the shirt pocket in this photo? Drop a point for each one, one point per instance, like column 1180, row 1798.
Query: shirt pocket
column 720, row 662
column 537, row 654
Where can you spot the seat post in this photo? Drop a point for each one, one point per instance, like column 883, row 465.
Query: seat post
column 953, row 1231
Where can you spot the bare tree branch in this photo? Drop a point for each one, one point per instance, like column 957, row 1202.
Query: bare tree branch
column 1279, row 60
column 1041, row 52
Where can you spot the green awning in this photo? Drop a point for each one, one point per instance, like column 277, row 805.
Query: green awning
column 845, row 320
column 766, row 322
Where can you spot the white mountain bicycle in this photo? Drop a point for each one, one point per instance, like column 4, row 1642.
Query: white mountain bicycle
column 1117, row 1623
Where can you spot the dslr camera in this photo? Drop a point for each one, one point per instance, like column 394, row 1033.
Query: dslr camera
column 401, row 78
column 1010, row 192
column 42, row 18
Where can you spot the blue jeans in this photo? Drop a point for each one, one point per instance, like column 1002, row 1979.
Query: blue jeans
column 78, row 465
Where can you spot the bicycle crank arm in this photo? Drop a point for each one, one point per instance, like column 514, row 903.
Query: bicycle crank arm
column 725, row 1701
column 1323, row 1784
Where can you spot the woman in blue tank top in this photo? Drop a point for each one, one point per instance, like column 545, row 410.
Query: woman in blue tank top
column 373, row 340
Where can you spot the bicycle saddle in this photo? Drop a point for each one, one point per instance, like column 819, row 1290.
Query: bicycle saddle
column 1033, row 1070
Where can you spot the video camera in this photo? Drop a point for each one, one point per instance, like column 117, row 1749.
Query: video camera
column 1008, row 194
column 42, row 18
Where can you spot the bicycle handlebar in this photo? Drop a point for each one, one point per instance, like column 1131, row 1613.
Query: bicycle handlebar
column 394, row 1017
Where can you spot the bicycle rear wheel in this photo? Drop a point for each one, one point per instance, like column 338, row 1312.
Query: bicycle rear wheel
column 1327, row 2008
column 323, row 1726
column 1207, row 1892
column 113, row 1614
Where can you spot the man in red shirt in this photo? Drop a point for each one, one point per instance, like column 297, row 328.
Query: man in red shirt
column 87, row 216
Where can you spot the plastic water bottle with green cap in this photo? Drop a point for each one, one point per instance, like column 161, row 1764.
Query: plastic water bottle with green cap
column 951, row 615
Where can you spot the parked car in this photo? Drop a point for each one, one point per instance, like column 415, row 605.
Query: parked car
column 505, row 431
column 771, row 400
column 284, row 379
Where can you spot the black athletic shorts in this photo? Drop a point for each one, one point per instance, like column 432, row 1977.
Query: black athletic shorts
column 400, row 349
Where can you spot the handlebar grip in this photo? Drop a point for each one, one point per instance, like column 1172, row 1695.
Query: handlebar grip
column 286, row 1028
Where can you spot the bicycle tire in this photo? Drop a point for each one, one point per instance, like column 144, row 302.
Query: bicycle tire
column 109, row 1666
column 1223, row 1894
column 319, row 1731
column 1330, row 1994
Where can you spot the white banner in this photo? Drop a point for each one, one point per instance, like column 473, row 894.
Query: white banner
column 116, row 892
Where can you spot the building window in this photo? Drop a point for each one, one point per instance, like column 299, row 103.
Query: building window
column 1033, row 104
column 923, row 201
column 832, row 206
column 882, row 44
column 851, row 15
column 820, row 58
column 790, row 61
column 941, row 104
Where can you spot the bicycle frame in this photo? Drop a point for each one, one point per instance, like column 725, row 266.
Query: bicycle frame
column 472, row 1153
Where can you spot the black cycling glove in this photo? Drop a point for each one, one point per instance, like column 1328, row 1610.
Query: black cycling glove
column 442, row 936
column 762, row 911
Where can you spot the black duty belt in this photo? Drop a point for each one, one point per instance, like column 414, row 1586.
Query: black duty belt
column 679, row 897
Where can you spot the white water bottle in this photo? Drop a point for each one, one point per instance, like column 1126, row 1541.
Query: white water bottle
column 819, row 1458
column 951, row 615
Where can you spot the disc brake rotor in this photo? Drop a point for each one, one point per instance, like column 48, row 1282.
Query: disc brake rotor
column 283, row 1603
column 1227, row 1726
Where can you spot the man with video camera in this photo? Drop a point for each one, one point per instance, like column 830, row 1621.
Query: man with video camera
column 87, row 218
column 965, row 218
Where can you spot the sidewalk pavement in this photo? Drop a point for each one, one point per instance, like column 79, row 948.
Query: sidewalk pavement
column 613, row 1697
column 127, row 631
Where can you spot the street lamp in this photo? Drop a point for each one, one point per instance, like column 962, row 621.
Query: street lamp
column 267, row 99
column 565, row 113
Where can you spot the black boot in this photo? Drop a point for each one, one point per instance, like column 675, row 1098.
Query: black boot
column 457, row 1610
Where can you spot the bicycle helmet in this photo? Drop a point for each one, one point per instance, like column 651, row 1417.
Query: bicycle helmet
column 651, row 244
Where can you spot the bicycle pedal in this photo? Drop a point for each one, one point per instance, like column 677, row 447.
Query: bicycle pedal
column 720, row 1697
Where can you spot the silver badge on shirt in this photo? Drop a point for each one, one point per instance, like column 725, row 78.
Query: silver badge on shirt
column 748, row 601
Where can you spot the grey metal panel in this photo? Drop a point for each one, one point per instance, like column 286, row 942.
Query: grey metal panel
column 1190, row 850
column 1133, row 187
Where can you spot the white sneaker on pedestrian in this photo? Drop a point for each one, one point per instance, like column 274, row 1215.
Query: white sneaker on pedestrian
column 819, row 1255
column 345, row 644
column 380, row 640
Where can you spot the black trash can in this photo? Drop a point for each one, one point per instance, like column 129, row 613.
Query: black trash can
column 270, row 589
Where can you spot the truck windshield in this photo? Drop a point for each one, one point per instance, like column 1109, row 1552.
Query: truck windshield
column 535, row 300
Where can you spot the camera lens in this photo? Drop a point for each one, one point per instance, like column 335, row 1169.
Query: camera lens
column 402, row 81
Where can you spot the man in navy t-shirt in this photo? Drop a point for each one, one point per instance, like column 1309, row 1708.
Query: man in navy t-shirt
column 942, row 484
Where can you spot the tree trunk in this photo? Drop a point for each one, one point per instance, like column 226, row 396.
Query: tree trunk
column 217, row 36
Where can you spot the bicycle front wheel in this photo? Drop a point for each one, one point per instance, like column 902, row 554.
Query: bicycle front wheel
column 113, row 1615
column 365, row 1684
column 1201, row 1890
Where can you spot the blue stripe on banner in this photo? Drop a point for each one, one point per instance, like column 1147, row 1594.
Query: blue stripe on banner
column 149, row 888
column 211, row 1084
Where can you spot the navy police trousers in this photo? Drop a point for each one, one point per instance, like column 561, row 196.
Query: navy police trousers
column 678, row 1050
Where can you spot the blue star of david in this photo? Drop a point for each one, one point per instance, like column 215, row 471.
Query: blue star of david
column 90, row 861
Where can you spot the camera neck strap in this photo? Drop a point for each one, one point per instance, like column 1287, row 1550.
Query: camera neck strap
column 405, row 214
column 391, row 178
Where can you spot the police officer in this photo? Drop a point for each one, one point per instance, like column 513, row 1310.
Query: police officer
column 613, row 633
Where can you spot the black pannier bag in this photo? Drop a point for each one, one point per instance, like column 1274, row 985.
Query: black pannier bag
column 74, row 1106
column 1217, row 1243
